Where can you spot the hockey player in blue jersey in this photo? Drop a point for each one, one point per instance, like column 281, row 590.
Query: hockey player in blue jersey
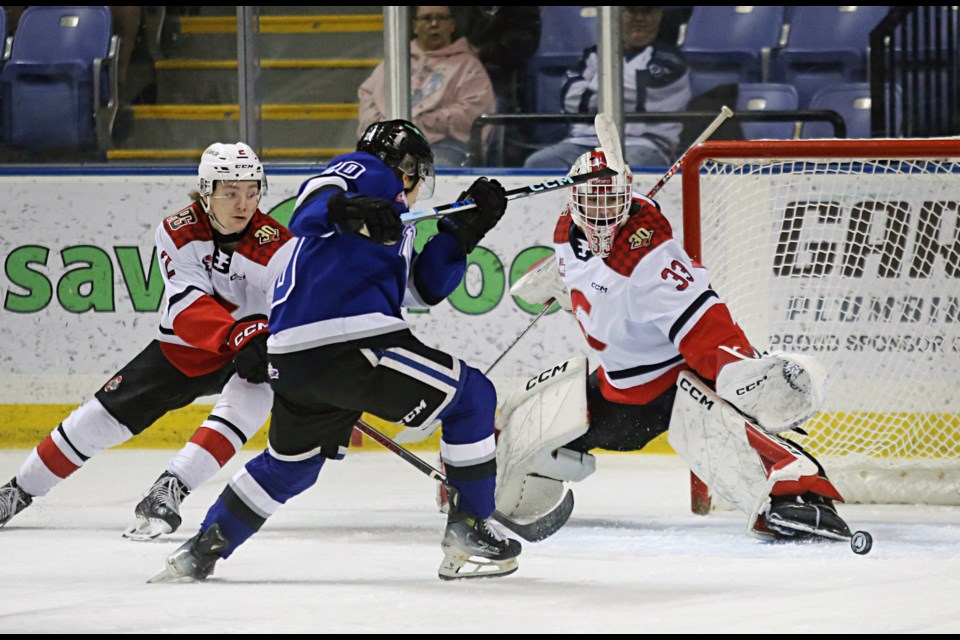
column 340, row 347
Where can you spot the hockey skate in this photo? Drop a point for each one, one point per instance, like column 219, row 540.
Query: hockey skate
column 13, row 500
column 195, row 559
column 159, row 511
column 812, row 516
column 473, row 548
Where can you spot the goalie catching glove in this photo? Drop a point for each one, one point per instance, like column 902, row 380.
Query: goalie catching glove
column 542, row 283
column 378, row 216
column 470, row 226
column 248, row 338
column 776, row 391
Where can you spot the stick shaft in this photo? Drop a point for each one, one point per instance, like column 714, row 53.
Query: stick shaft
column 725, row 113
column 512, row 194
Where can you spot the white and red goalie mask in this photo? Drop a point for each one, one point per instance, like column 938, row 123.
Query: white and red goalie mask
column 600, row 207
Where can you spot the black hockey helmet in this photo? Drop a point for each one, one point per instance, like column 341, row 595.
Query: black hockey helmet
column 403, row 148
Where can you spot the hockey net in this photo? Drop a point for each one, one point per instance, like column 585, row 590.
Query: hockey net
column 848, row 250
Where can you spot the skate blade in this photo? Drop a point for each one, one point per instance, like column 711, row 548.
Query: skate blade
column 461, row 567
column 146, row 530
column 168, row 576
column 171, row 576
column 802, row 528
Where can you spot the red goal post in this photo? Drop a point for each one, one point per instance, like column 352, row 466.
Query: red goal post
column 848, row 250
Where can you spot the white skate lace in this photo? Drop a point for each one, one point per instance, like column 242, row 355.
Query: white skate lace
column 493, row 531
column 169, row 492
column 9, row 501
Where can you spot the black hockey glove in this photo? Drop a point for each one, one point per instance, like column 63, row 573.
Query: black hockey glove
column 378, row 216
column 470, row 226
column 248, row 338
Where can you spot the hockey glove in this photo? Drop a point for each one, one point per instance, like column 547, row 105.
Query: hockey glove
column 248, row 338
column 470, row 226
column 377, row 216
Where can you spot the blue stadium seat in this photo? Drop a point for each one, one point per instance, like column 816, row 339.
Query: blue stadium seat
column 730, row 45
column 58, row 90
column 769, row 96
column 852, row 101
column 825, row 45
column 565, row 32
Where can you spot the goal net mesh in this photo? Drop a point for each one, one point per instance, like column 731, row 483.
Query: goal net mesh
column 854, row 257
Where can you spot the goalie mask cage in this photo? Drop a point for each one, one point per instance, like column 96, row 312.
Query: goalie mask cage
column 848, row 250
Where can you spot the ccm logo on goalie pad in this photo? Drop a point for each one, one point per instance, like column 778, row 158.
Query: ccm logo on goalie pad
column 695, row 393
column 544, row 376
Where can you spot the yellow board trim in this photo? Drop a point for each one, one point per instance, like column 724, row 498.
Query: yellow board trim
column 23, row 426
column 286, row 24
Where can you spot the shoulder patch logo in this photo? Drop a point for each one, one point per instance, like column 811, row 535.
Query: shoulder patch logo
column 640, row 238
column 181, row 219
column 266, row 234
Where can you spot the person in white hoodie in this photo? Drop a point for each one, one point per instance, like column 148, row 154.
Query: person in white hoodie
column 449, row 87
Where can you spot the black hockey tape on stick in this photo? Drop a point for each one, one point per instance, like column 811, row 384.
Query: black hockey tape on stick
column 512, row 194
column 725, row 113
column 540, row 529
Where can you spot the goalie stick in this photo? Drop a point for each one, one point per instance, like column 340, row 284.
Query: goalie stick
column 512, row 194
column 540, row 529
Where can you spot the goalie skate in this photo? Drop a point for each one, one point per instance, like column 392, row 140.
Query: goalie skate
column 812, row 516
column 473, row 548
column 13, row 500
column 159, row 511
column 195, row 559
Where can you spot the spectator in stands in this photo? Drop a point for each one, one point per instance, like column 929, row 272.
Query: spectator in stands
column 655, row 79
column 449, row 87
column 503, row 38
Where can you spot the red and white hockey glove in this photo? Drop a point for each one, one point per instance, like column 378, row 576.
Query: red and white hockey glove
column 248, row 338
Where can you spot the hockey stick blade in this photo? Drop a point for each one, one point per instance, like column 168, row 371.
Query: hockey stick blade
column 512, row 194
column 544, row 526
column 540, row 529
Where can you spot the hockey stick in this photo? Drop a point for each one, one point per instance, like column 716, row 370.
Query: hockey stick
column 540, row 529
column 409, row 435
column 543, row 312
column 512, row 194
column 725, row 113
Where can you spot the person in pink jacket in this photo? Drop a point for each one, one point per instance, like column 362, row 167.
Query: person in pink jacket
column 448, row 84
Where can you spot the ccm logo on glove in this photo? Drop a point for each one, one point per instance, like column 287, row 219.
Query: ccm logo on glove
column 244, row 331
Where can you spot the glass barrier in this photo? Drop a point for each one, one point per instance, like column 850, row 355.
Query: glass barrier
column 164, row 82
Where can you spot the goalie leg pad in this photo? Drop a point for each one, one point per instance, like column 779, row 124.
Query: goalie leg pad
column 739, row 462
column 534, row 424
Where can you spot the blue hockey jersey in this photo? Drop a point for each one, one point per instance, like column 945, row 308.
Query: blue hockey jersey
column 338, row 286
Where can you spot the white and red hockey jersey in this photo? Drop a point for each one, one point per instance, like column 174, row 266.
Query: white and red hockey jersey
column 207, row 289
column 647, row 310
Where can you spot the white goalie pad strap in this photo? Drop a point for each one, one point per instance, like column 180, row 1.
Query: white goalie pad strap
column 534, row 424
column 778, row 391
column 739, row 462
column 542, row 283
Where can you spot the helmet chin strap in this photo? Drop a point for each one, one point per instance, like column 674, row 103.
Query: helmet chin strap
column 219, row 229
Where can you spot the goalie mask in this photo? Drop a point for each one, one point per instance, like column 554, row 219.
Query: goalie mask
column 600, row 207
column 230, row 163
column 402, row 147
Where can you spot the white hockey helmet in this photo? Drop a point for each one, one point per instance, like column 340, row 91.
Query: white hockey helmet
column 229, row 162
column 600, row 207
